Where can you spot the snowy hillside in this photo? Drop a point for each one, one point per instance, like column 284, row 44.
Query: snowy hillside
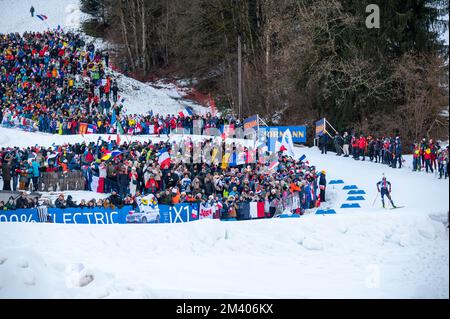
column 140, row 98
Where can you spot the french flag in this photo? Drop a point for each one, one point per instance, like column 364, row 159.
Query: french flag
column 253, row 210
column 164, row 159
column 186, row 112
column 257, row 210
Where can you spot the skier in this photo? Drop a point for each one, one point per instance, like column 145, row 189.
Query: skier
column 384, row 187
column 32, row 11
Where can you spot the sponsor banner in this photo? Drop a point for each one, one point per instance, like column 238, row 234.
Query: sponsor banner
column 276, row 133
column 251, row 123
column 19, row 215
column 206, row 212
column 68, row 215
column 89, row 215
column 320, row 127
column 180, row 213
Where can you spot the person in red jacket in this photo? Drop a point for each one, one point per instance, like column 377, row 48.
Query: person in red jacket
column 355, row 147
column 362, row 144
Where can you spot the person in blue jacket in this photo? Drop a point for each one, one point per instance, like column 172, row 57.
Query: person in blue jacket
column 35, row 174
column 398, row 153
column 384, row 186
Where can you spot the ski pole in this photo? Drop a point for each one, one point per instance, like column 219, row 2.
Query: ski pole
column 375, row 199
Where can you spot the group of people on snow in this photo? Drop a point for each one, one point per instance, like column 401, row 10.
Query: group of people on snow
column 428, row 155
column 386, row 150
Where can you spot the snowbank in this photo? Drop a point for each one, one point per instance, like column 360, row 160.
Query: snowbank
column 401, row 255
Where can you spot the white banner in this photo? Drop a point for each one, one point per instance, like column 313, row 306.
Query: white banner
column 206, row 212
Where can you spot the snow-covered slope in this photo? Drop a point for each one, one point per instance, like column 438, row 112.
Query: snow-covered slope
column 15, row 15
column 140, row 98
column 383, row 255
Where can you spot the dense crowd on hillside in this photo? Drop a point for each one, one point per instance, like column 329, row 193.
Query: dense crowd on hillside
column 55, row 83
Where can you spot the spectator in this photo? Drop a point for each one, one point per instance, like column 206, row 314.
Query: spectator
column 60, row 202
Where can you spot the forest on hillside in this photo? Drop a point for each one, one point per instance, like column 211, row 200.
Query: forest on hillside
column 301, row 59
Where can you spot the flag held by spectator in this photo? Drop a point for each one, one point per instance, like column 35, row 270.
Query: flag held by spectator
column 164, row 159
column 106, row 156
column 42, row 17
column 91, row 129
column 287, row 143
column 186, row 112
column 115, row 153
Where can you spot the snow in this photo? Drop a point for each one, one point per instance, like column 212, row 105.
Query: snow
column 280, row 258
column 140, row 98
column 15, row 15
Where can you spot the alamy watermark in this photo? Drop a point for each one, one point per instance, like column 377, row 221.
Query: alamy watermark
column 373, row 19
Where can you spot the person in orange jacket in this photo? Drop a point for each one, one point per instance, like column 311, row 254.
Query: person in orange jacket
column 175, row 196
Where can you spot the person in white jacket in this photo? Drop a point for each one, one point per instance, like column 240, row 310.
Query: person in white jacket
column 133, row 181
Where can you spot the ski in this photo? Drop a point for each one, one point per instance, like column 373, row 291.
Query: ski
column 396, row 207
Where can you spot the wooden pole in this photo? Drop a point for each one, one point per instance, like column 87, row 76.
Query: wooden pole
column 239, row 77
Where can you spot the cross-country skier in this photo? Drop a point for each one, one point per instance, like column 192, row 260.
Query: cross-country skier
column 384, row 187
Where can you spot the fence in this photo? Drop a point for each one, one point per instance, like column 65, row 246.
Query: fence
column 59, row 181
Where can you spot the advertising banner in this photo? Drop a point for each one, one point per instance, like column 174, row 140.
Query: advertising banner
column 251, row 123
column 276, row 133
column 320, row 127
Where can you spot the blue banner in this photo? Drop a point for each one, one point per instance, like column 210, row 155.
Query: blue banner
column 251, row 123
column 320, row 127
column 89, row 215
column 180, row 213
column 19, row 215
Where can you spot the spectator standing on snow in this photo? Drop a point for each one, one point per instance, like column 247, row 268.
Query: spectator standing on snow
column 346, row 146
column 338, row 142
column 323, row 141
column 6, row 174
column 322, row 186
column 32, row 11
